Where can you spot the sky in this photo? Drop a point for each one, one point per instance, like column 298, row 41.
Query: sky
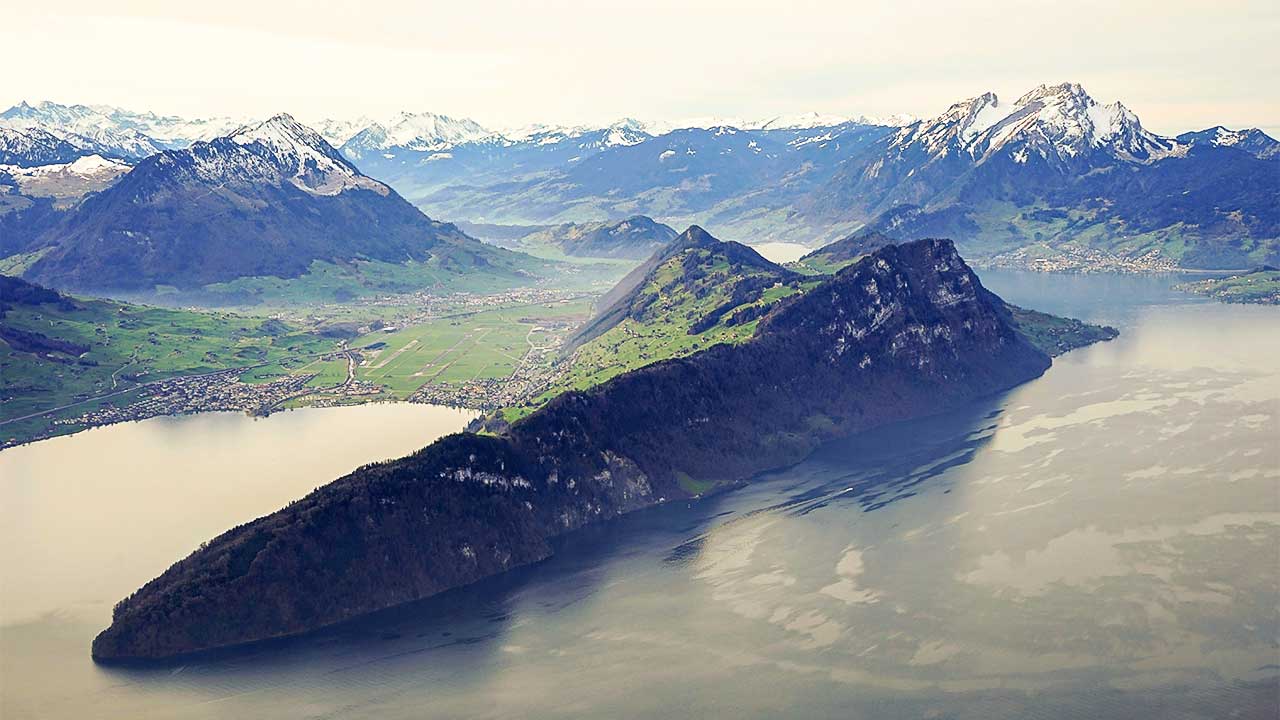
column 1178, row 65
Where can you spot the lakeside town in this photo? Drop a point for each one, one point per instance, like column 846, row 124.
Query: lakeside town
column 224, row 390
column 1071, row 259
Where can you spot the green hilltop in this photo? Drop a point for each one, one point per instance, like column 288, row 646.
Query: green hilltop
column 700, row 292
column 1260, row 286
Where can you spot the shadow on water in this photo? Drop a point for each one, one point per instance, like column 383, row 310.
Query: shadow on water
column 462, row 626
column 467, row 627
column 872, row 469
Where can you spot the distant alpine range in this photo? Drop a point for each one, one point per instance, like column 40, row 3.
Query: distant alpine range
column 99, row 198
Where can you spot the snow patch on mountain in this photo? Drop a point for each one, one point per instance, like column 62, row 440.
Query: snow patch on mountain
column 90, row 166
column 803, row 121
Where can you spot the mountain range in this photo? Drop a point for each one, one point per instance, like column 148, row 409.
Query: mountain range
column 1057, row 167
column 268, row 199
column 168, row 131
column 1054, row 169
column 1051, row 172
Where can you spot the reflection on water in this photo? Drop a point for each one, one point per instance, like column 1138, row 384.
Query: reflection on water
column 1098, row 543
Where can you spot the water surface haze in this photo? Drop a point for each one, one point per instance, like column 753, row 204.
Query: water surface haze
column 1097, row 543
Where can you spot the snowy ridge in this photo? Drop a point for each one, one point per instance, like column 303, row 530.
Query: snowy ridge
column 127, row 143
column 136, row 135
column 94, row 121
column 624, row 133
column 422, row 132
column 803, row 121
column 621, row 133
column 1250, row 140
column 815, row 121
column 27, row 147
column 338, row 132
column 82, row 132
column 279, row 150
column 1061, row 124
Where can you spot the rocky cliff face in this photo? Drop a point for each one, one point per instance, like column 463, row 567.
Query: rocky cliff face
column 907, row 331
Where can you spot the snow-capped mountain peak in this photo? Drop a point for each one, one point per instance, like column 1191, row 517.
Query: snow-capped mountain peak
column 81, row 127
column 429, row 131
column 92, row 167
column 338, row 131
column 1250, row 140
column 290, row 151
column 422, row 132
column 283, row 133
column 624, row 133
column 1062, row 124
column 1223, row 137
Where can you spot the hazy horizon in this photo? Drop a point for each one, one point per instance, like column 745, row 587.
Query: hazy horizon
column 508, row 64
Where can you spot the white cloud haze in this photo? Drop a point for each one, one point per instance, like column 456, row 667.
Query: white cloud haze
column 1179, row 65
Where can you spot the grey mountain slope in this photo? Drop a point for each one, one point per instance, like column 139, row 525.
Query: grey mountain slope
column 267, row 200
column 633, row 238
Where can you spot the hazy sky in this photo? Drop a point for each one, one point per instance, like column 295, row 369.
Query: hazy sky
column 1179, row 65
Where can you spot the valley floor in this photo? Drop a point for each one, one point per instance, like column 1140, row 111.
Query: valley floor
column 465, row 350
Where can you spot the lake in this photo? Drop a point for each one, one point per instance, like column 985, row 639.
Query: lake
column 1099, row 543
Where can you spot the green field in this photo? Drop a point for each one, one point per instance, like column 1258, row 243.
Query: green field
column 64, row 356
column 633, row 344
column 54, row 354
column 1260, row 287
column 456, row 350
column 819, row 265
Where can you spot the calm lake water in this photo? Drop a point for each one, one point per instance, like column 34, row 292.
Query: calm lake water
column 1103, row 542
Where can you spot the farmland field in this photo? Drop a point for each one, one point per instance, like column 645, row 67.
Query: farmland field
column 456, row 350
column 112, row 346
